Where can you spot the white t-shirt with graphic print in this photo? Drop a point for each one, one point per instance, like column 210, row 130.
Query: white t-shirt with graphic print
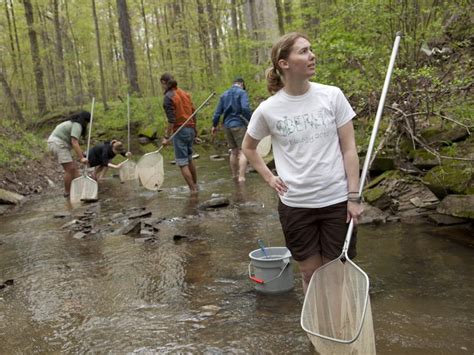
column 305, row 143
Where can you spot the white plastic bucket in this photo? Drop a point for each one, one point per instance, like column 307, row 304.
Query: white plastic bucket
column 271, row 273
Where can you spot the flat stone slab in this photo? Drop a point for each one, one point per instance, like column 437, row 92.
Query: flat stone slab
column 445, row 220
column 10, row 198
column 458, row 206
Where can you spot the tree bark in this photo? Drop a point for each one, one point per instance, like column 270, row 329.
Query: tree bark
column 51, row 89
column 99, row 53
column 10, row 34
column 261, row 19
column 204, row 37
column 281, row 19
column 20, row 57
column 11, row 98
column 127, row 44
column 113, row 53
column 79, row 99
column 216, row 57
column 288, row 13
column 61, row 75
column 147, row 46
column 35, row 56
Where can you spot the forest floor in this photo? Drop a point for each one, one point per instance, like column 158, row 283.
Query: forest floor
column 32, row 177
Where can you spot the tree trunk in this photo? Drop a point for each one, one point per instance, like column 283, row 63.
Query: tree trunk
column 288, row 13
column 10, row 97
column 262, row 24
column 79, row 99
column 20, row 57
column 99, row 53
column 158, row 20
column 204, row 37
column 61, row 75
column 113, row 52
column 35, row 56
column 281, row 19
column 216, row 57
column 147, row 46
column 51, row 89
column 10, row 34
column 127, row 44
column 233, row 16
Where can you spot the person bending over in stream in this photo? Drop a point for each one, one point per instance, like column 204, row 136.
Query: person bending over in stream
column 315, row 155
column 64, row 138
column 101, row 155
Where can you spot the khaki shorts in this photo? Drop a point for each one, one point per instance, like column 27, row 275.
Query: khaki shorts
column 312, row 231
column 60, row 149
column 235, row 136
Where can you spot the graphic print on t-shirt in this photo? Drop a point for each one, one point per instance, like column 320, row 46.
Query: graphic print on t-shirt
column 312, row 126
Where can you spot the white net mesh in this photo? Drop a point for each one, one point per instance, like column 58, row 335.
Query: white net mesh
column 150, row 171
column 83, row 188
column 128, row 171
column 334, row 307
column 264, row 146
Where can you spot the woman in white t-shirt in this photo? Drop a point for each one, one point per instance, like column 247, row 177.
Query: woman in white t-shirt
column 315, row 156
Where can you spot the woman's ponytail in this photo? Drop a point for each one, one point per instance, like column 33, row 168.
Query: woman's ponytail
column 274, row 82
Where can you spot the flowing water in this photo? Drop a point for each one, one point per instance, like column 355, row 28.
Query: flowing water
column 109, row 293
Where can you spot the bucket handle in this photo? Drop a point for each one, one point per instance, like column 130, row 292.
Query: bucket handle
column 260, row 281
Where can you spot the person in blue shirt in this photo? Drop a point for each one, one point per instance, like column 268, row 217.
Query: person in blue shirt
column 234, row 106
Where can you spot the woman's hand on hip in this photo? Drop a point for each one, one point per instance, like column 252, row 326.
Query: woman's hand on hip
column 278, row 185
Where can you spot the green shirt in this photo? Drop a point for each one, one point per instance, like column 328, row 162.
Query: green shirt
column 66, row 130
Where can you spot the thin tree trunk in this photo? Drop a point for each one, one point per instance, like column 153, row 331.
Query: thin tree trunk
column 99, row 53
column 61, row 75
column 127, row 44
column 168, row 40
column 281, row 20
column 79, row 99
column 11, row 98
column 216, row 57
column 20, row 57
column 288, row 13
column 204, row 37
column 51, row 89
column 10, row 34
column 160, row 33
column 147, row 46
column 35, row 56
column 113, row 52
column 233, row 16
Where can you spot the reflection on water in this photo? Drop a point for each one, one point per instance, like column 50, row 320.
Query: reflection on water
column 111, row 294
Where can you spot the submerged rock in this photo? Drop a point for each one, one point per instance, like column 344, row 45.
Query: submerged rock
column 215, row 203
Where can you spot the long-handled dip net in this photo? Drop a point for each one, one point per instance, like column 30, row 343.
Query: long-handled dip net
column 336, row 311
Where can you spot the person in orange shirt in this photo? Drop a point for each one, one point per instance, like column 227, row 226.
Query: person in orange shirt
column 179, row 107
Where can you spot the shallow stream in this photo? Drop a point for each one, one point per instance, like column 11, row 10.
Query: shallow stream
column 109, row 293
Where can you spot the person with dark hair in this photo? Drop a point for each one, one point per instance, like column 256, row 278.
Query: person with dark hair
column 315, row 156
column 179, row 107
column 234, row 106
column 64, row 138
column 101, row 155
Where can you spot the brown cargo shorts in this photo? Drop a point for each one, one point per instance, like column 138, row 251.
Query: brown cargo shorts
column 312, row 231
column 235, row 136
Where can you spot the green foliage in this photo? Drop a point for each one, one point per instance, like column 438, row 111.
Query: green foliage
column 18, row 146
